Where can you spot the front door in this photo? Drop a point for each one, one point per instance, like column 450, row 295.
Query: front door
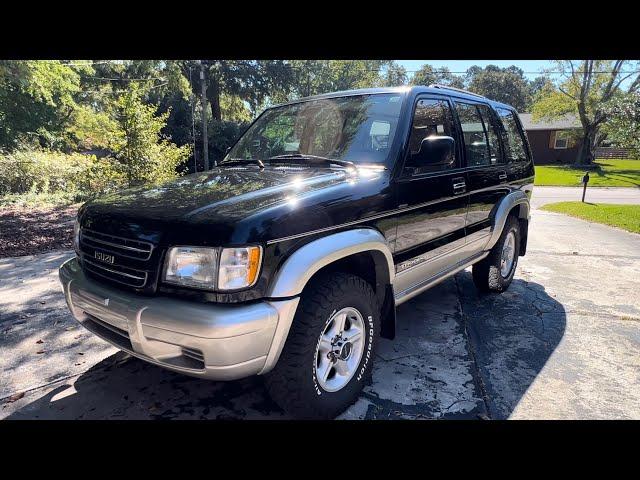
column 432, row 200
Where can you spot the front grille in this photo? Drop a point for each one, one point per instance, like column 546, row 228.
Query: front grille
column 123, row 247
column 129, row 261
column 117, row 273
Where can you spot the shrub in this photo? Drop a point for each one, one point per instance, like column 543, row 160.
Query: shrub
column 72, row 176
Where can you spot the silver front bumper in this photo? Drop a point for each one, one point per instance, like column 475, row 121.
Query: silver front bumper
column 215, row 341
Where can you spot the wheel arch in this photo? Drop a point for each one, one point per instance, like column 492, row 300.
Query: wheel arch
column 363, row 251
column 515, row 203
column 306, row 261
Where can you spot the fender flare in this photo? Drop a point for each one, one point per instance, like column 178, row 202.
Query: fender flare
column 505, row 206
column 298, row 269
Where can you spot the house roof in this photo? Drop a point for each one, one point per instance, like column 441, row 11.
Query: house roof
column 567, row 122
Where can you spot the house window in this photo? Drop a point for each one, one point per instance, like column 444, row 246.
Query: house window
column 562, row 141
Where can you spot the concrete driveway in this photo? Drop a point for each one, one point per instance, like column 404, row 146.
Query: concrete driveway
column 625, row 195
column 562, row 343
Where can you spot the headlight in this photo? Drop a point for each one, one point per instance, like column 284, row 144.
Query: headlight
column 76, row 235
column 191, row 267
column 239, row 267
column 200, row 267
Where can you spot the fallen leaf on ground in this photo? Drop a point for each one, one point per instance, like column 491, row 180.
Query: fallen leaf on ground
column 16, row 396
column 41, row 351
column 39, row 341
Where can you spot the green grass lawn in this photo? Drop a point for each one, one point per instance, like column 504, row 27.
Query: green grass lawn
column 626, row 217
column 612, row 173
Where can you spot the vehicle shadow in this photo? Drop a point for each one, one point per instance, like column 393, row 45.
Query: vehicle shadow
column 457, row 354
column 512, row 336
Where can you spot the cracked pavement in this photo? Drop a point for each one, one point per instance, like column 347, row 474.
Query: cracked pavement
column 561, row 343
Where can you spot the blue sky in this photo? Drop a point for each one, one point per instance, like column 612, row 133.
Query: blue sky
column 533, row 66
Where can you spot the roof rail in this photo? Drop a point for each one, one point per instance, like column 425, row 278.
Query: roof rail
column 445, row 87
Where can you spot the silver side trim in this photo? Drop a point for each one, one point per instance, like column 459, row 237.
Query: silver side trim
column 429, row 256
column 307, row 260
column 411, row 292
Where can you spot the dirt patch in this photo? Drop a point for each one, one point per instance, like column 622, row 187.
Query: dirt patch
column 30, row 230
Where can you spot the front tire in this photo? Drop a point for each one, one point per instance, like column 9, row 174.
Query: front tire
column 495, row 272
column 328, row 356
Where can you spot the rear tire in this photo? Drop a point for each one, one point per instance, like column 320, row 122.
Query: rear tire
column 312, row 381
column 495, row 272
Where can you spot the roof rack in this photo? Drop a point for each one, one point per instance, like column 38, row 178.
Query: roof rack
column 445, row 87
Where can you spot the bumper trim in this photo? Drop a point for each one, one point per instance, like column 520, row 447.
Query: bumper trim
column 235, row 340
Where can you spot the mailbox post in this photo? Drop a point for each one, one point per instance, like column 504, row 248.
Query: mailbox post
column 585, row 180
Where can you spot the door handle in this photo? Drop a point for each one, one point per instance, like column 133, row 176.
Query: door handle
column 502, row 176
column 459, row 186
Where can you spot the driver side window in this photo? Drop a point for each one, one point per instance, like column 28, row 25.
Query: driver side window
column 432, row 118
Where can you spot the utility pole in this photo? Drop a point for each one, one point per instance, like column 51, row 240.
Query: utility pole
column 205, row 136
column 192, row 99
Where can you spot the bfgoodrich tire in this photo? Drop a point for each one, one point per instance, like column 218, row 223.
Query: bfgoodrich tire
column 328, row 355
column 495, row 272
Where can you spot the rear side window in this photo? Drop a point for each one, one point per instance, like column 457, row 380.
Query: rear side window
column 490, row 124
column 432, row 117
column 514, row 142
column 476, row 142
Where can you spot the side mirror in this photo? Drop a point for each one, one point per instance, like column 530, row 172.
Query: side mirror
column 435, row 151
column 227, row 150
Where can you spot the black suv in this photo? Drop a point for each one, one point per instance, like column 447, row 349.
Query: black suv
column 289, row 258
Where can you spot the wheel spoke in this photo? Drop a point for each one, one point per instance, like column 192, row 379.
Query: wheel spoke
column 325, row 369
column 339, row 322
column 325, row 344
column 353, row 337
column 342, row 368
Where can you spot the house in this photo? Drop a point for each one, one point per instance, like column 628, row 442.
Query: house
column 553, row 141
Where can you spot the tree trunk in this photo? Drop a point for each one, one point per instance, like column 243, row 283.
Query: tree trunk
column 213, row 94
column 586, row 153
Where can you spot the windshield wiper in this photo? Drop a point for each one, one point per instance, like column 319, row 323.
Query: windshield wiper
column 313, row 159
column 236, row 161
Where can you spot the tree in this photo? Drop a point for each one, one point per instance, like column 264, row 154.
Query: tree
column 144, row 155
column 250, row 80
column 394, row 76
column 537, row 85
column 313, row 77
column 164, row 86
column 507, row 85
column 623, row 126
column 427, row 75
column 37, row 101
column 586, row 88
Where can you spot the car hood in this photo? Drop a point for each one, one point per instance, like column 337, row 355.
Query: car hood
column 232, row 204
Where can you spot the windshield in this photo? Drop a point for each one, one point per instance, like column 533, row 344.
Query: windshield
column 358, row 129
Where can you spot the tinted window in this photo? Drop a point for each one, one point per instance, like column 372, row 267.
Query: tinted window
column 356, row 128
column 514, row 141
column 432, row 117
column 476, row 143
column 489, row 121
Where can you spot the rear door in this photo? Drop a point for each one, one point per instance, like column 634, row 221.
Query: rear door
column 517, row 153
column 487, row 178
column 432, row 201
